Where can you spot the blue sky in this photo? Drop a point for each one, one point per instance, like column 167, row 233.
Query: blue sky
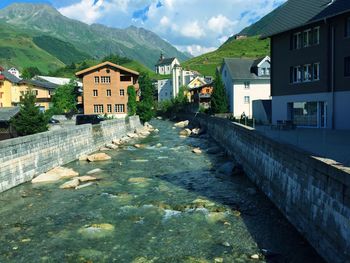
column 195, row 26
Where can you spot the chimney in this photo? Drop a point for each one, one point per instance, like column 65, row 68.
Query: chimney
column 161, row 56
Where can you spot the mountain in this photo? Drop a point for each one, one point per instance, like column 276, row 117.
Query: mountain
column 38, row 22
column 251, row 47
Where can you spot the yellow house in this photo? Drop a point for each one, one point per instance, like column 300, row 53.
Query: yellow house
column 13, row 88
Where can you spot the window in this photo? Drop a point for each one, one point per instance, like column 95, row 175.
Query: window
column 109, row 93
column 109, row 108
column 51, row 92
column 119, row 108
column 95, row 92
column 246, row 99
column 297, row 40
column 307, row 38
column 347, row 67
column 316, row 71
column 125, row 78
column 98, row 108
column 316, row 35
column 97, row 79
column 307, row 72
column 122, row 92
column 296, row 75
column 106, row 79
column 247, row 85
column 347, row 27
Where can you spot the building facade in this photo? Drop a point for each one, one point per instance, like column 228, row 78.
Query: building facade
column 105, row 88
column 245, row 80
column 165, row 66
column 311, row 64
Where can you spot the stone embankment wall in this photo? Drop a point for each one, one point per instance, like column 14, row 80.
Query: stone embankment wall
column 314, row 196
column 24, row 157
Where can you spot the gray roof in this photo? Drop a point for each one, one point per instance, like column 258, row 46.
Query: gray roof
column 165, row 61
column 297, row 13
column 40, row 84
column 10, row 77
column 257, row 61
column 7, row 113
column 241, row 69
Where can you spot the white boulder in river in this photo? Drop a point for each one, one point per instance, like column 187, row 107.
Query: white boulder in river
column 98, row 157
column 182, row 124
column 55, row 174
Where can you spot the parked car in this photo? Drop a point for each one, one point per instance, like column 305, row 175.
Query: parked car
column 91, row 118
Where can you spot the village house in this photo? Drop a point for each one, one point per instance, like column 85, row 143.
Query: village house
column 12, row 90
column 310, row 54
column 6, row 130
column 201, row 95
column 105, row 88
column 14, row 72
column 165, row 66
column 245, row 80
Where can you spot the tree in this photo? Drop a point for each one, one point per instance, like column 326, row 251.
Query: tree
column 181, row 97
column 132, row 105
column 30, row 119
column 219, row 103
column 30, row 72
column 65, row 99
column 145, row 108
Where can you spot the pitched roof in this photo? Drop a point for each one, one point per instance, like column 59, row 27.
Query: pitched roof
column 58, row 81
column 296, row 13
column 165, row 61
column 240, row 69
column 7, row 75
column 40, row 84
column 6, row 113
column 104, row 64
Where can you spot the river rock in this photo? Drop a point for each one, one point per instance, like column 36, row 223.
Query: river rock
column 214, row 217
column 83, row 185
column 185, row 132
column 197, row 151
column 218, row 260
column 55, row 175
column 159, row 118
column 98, row 157
column 116, row 141
column 132, row 135
column 139, row 146
column 196, row 131
column 182, row 124
column 96, row 230
column 156, row 130
column 83, row 157
column 158, row 145
column 202, row 203
column 226, row 168
column 147, row 125
column 255, row 256
column 111, row 146
column 145, row 133
column 95, row 171
column 70, row 184
column 86, row 178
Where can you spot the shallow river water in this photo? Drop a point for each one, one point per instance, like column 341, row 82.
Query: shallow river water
column 157, row 204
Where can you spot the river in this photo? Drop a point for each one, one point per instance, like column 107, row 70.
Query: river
column 161, row 203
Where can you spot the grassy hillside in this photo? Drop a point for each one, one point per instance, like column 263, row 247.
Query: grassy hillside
column 18, row 49
column 251, row 47
column 64, row 51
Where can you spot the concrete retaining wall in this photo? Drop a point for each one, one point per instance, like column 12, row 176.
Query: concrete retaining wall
column 314, row 196
column 24, row 157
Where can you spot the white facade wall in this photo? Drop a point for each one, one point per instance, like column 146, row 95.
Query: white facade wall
column 14, row 72
column 165, row 89
column 166, row 69
column 340, row 111
column 254, row 92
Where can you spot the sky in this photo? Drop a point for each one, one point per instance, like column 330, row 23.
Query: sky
column 195, row 26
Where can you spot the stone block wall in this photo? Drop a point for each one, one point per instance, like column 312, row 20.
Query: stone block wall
column 314, row 196
column 25, row 157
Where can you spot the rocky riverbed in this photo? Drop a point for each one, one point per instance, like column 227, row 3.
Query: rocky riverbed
column 168, row 197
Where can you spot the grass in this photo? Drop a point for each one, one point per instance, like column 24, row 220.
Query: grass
column 251, row 47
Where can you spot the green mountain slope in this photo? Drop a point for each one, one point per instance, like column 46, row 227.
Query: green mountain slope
column 17, row 48
column 96, row 40
column 64, row 51
column 251, row 47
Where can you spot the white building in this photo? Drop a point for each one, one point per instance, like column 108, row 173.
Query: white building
column 246, row 80
column 165, row 89
column 14, row 72
column 165, row 66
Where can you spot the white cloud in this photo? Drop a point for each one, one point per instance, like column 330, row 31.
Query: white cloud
column 86, row 11
column 196, row 50
column 196, row 25
column 219, row 23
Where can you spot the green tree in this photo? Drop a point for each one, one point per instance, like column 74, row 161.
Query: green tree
column 116, row 59
column 219, row 103
column 146, row 108
column 132, row 105
column 65, row 99
column 30, row 72
column 181, row 98
column 30, row 119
